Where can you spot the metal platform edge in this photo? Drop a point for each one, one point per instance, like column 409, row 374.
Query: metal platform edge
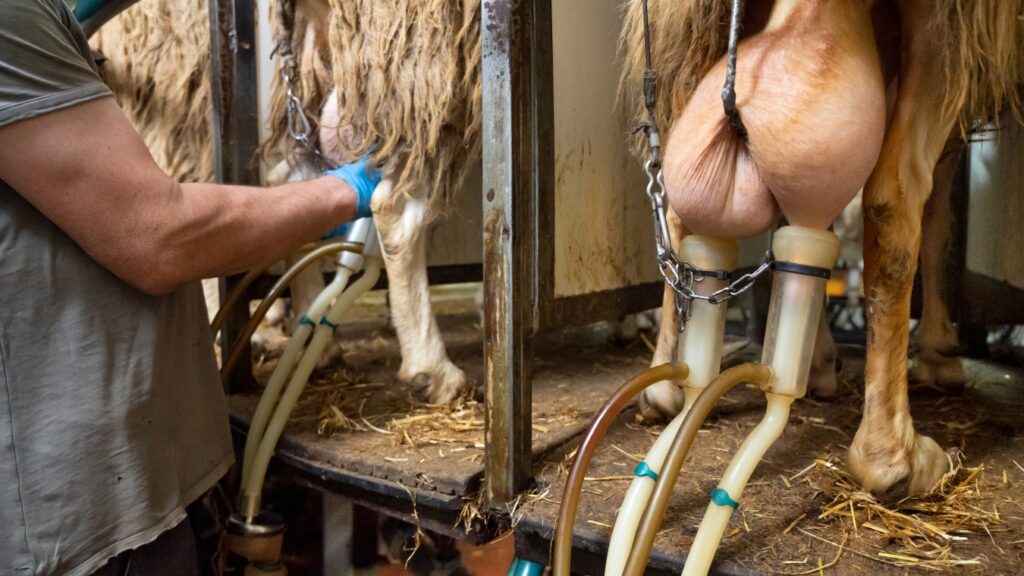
column 433, row 511
column 534, row 543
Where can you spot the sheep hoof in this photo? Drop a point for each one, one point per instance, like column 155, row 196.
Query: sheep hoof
column 823, row 382
column 440, row 386
column 332, row 356
column 891, row 470
column 937, row 372
column 661, row 402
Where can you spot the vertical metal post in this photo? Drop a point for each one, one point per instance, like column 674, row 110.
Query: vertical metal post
column 510, row 242
column 338, row 520
column 233, row 91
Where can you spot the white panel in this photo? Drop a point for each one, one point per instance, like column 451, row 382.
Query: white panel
column 266, row 68
column 457, row 237
column 603, row 234
column 995, row 224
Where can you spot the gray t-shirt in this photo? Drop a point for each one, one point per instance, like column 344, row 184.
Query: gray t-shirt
column 112, row 418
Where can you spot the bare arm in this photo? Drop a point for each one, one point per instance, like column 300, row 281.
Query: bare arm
column 89, row 172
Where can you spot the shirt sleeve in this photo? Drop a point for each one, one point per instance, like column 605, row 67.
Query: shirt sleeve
column 45, row 62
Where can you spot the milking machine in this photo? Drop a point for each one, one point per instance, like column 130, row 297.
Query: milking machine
column 800, row 261
column 309, row 257
column 238, row 290
column 803, row 259
column 700, row 347
column 252, row 533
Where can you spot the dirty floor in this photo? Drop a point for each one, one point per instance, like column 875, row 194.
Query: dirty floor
column 796, row 516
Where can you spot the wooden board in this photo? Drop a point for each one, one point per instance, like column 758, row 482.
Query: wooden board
column 573, row 372
column 603, row 233
column 984, row 422
column 455, row 236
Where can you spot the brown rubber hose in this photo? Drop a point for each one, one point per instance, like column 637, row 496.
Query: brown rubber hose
column 238, row 290
column 235, row 295
column 654, row 513
column 595, row 433
column 275, row 292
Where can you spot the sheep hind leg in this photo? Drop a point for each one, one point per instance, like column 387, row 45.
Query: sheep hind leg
column 887, row 454
column 664, row 400
column 401, row 223
column 824, row 378
column 936, row 360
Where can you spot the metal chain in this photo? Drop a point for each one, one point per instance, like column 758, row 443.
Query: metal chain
column 737, row 287
column 677, row 273
column 299, row 126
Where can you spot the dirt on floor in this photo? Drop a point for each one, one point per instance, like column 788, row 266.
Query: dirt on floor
column 355, row 416
column 801, row 512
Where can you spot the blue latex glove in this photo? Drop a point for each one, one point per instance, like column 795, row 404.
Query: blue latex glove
column 363, row 178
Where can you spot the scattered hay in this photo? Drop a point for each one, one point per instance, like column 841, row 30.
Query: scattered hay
column 342, row 402
column 475, row 509
column 929, row 531
column 408, row 421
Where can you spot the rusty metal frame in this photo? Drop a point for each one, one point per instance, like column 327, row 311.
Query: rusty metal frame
column 510, row 242
column 519, row 232
column 236, row 128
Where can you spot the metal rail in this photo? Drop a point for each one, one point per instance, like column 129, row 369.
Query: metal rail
column 510, row 241
column 236, row 129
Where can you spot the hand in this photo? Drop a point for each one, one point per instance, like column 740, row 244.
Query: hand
column 363, row 179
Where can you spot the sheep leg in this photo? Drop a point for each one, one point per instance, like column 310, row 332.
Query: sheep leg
column 936, row 345
column 306, row 286
column 401, row 223
column 886, row 454
column 823, row 381
column 665, row 399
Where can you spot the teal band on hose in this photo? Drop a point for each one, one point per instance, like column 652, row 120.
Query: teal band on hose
column 325, row 322
column 642, row 469
column 305, row 320
column 722, row 498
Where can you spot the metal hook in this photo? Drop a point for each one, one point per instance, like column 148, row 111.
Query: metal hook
column 299, row 126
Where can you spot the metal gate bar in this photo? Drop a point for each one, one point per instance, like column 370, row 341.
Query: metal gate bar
column 510, row 240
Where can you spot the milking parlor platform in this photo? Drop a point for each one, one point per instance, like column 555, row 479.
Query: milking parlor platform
column 360, row 434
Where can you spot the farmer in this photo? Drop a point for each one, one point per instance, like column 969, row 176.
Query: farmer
column 112, row 418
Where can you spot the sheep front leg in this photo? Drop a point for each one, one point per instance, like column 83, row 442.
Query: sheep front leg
column 823, row 381
column 307, row 285
column 402, row 225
